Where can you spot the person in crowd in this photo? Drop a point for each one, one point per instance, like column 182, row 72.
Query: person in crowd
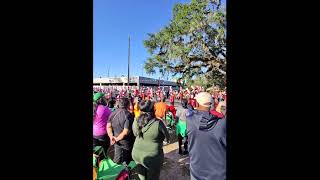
column 216, row 113
column 136, row 109
column 142, row 95
column 167, row 93
column 171, row 115
column 131, row 98
column 136, row 92
column 119, row 128
column 149, row 94
column 181, row 127
column 218, row 109
column 209, row 161
column 215, row 101
column 181, row 95
column 101, row 114
column 172, row 109
column 111, row 104
column 161, row 109
column 223, row 109
column 220, row 96
column 172, row 98
column 147, row 150
column 192, row 101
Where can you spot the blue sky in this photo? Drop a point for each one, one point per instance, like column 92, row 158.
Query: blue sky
column 114, row 21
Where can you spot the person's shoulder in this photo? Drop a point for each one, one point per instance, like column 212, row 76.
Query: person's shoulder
column 108, row 110
column 127, row 112
column 101, row 108
column 189, row 113
column 115, row 110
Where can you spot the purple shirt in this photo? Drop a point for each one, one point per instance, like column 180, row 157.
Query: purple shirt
column 100, row 120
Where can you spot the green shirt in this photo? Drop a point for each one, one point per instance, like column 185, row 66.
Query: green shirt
column 181, row 128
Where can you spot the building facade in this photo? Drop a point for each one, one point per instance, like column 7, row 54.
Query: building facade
column 137, row 81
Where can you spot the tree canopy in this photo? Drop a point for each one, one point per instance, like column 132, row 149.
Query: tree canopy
column 192, row 45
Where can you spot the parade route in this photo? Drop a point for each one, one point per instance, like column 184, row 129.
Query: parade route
column 175, row 166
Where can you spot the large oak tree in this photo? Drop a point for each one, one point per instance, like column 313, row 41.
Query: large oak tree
column 192, row 45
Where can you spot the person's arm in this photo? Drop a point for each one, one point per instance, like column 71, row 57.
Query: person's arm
column 177, row 115
column 164, row 131
column 223, row 138
column 110, row 133
column 123, row 134
column 135, row 127
column 109, row 129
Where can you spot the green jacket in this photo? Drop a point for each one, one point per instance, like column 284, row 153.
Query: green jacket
column 147, row 150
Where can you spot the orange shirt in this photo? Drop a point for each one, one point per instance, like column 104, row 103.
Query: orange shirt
column 160, row 109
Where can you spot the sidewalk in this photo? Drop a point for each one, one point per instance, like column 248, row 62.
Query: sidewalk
column 175, row 166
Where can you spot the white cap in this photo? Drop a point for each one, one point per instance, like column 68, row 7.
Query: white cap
column 204, row 99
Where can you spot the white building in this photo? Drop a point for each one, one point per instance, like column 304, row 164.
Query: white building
column 134, row 81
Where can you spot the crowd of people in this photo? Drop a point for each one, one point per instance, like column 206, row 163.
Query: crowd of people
column 136, row 123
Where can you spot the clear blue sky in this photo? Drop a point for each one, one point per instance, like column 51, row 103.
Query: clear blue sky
column 114, row 21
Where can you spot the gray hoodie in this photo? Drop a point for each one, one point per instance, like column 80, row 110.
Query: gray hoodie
column 207, row 145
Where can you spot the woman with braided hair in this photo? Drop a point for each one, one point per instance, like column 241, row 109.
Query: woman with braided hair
column 147, row 150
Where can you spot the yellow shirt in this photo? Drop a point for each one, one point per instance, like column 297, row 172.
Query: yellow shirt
column 136, row 111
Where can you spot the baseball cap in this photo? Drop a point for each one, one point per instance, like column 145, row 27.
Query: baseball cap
column 97, row 96
column 204, row 99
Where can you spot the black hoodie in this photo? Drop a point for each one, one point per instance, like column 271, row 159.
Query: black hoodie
column 207, row 145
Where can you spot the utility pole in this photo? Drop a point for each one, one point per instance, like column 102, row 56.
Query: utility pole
column 129, row 62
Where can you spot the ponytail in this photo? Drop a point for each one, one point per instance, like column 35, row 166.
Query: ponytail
column 143, row 120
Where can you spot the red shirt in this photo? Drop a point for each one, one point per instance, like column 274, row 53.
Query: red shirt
column 216, row 102
column 173, row 110
column 171, row 98
column 192, row 102
column 181, row 95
